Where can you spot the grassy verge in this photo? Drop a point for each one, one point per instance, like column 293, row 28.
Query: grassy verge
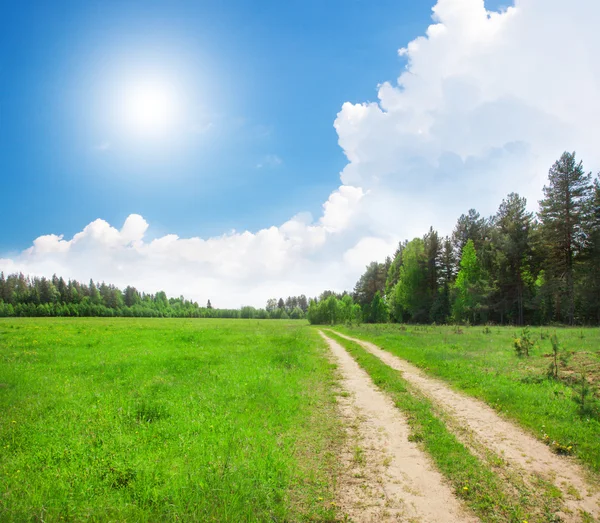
column 482, row 362
column 154, row 420
column 472, row 479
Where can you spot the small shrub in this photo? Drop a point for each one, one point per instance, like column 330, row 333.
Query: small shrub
column 585, row 398
column 553, row 369
column 487, row 330
column 523, row 344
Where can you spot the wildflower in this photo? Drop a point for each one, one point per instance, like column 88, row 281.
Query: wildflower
column 465, row 488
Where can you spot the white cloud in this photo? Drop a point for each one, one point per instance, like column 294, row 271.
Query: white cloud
column 486, row 103
column 270, row 160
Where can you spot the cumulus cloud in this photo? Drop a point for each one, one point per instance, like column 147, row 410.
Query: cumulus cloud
column 485, row 104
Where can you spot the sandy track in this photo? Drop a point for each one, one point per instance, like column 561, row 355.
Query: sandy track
column 386, row 477
column 502, row 437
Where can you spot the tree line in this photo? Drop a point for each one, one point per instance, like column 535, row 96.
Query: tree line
column 514, row 267
column 33, row 296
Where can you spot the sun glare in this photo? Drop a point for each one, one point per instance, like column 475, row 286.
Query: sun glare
column 149, row 108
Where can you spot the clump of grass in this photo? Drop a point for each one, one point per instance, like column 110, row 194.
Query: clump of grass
column 557, row 447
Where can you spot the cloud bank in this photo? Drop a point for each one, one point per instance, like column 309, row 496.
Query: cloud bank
column 485, row 104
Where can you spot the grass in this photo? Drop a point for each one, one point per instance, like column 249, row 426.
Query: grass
column 482, row 362
column 473, row 479
column 153, row 420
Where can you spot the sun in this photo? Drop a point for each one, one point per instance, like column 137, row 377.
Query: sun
column 149, row 108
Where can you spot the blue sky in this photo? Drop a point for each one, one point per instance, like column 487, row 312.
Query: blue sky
column 270, row 77
column 243, row 150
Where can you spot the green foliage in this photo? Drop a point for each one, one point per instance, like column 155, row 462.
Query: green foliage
column 559, row 358
column 563, row 213
column 585, row 398
column 409, row 297
column 508, row 269
column 372, row 281
column 470, row 289
column 524, row 343
column 332, row 310
column 22, row 297
column 378, row 312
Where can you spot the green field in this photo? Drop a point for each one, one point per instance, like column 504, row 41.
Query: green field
column 482, row 362
column 153, row 420
column 236, row 420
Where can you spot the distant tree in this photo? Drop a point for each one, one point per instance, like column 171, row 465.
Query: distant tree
column 131, row 296
column 378, row 311
column 271, row 305
column 446, row 263
column 563, row 215
column 409, row 298
column 588, row 287
column 470, row 226
column 209, row 305
column 393, row 273
column 372, row 281
column 303, row 303
column 94, row 295
column 512, row 245
column 469, row 287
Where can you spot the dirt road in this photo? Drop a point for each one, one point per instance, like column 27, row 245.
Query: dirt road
column 386, row 477
column 521, row 450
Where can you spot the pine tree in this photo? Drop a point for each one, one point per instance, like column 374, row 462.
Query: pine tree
column 562, row 213
column 512, row 251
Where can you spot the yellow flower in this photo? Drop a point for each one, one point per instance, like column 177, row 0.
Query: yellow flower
column 465, row 488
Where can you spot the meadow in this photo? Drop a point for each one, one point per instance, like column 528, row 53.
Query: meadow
column 151, row 420
column 482, row 362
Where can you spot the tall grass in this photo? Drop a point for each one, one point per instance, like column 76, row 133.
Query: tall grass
column 154, row 420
